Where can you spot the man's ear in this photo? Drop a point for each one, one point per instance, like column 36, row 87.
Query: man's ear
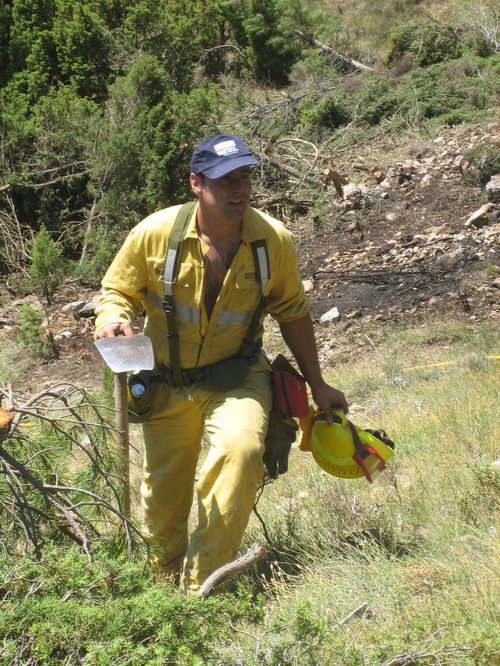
column 195, row 182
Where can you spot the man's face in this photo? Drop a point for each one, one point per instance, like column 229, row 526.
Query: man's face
column 228, row 196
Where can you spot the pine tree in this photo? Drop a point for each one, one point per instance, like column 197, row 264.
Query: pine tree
column 46, row 270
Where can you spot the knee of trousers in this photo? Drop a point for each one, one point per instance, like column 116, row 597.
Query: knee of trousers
column 233, row 462
column 241, row 449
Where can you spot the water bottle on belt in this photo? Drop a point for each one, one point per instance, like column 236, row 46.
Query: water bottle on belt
column 139, row 397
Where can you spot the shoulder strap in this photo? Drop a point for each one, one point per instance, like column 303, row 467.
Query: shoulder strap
column 177, row 235
column 261, row 261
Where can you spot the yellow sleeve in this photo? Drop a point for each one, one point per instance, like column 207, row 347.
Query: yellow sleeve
column 124, row 284
column 287, row 299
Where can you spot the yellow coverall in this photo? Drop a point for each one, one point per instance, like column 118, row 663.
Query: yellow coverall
column 235, row 420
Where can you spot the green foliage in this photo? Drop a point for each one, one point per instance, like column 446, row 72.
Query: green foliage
column 32, row 334
column 46, row 271
column 377, row 100
column 29, row 38
column 47, row 148
column 273, row 50
column 63, row 608
column 83, row 47
column 102, row 101
column 453, row 92
column 329, row 112
column 5, row 27
column 429, row 42
column 140, row 160
column 177, row 32
column 480, row 504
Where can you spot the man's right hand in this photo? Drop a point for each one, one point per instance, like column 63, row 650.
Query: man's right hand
column 114, row 330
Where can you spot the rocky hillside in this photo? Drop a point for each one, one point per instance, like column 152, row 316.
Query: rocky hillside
column 403, row 239
column 419, row 237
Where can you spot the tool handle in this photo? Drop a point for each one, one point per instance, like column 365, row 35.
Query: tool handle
column 121, row 404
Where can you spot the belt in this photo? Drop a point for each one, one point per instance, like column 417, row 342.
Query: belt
column 193, row 375
column 189, row 375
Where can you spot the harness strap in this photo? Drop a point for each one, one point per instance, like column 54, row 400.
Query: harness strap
column 169, row 278
column 362, row 452
column 261, row 260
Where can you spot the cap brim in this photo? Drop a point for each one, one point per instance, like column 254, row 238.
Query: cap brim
column 229, row 165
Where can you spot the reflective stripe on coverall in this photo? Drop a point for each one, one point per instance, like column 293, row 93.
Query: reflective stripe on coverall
column 235, row 421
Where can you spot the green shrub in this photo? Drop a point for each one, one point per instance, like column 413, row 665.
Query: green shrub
column 63, row 609
column 272, row 49
column 376, row 100
column 32, row 334
column 430, row 43
column 330, row 112
column 46, row 271
column 481, row 503
column 484, row 162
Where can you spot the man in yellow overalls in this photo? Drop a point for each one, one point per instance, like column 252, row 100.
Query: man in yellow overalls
column 215, row 294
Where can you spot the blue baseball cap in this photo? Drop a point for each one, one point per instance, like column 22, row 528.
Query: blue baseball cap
column 220, row 154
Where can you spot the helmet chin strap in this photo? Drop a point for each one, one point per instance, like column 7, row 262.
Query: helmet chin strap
column 362, row 455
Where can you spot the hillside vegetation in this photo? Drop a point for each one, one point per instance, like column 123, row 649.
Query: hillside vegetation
column 103, row 100
column 396, row 573
column 101, row 103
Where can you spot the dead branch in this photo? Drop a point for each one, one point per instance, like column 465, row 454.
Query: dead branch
column 9, row 465
column 15, row 238
column 344, row 60
column 222, row 47
column 224, row 574
column 281, row 198
column 359, row 611
column 69, row 508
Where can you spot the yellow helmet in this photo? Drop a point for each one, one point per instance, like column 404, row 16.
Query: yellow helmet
column 342, row 449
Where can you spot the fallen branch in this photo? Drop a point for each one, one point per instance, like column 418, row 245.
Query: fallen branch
column 281, row 198
column 43, row 496
column 344, row 60
column 227, row 572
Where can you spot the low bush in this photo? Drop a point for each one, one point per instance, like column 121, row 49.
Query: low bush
column 428, row 42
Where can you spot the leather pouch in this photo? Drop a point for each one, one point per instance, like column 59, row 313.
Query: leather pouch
column 289, row 388
column 140, row 407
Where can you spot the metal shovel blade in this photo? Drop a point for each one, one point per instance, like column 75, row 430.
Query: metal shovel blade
column 127, row 353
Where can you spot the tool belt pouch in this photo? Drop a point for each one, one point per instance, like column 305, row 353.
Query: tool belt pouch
column 281, row 433
column 289, row 401
column 289, row 388
column 141, row 390
column 225, row 375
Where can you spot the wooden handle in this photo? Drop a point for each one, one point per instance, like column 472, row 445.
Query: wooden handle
column 121, row 405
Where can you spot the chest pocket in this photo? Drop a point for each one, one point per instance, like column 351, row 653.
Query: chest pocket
column 246, row 280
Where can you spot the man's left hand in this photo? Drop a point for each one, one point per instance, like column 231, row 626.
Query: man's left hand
column 328, row 398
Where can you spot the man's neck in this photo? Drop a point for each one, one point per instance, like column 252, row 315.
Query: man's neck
column 217, row 229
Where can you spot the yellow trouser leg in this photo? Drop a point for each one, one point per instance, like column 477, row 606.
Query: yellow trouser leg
column 236, row 424
column 171, row 448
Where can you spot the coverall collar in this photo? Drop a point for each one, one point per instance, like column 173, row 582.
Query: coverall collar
column 252, row 228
